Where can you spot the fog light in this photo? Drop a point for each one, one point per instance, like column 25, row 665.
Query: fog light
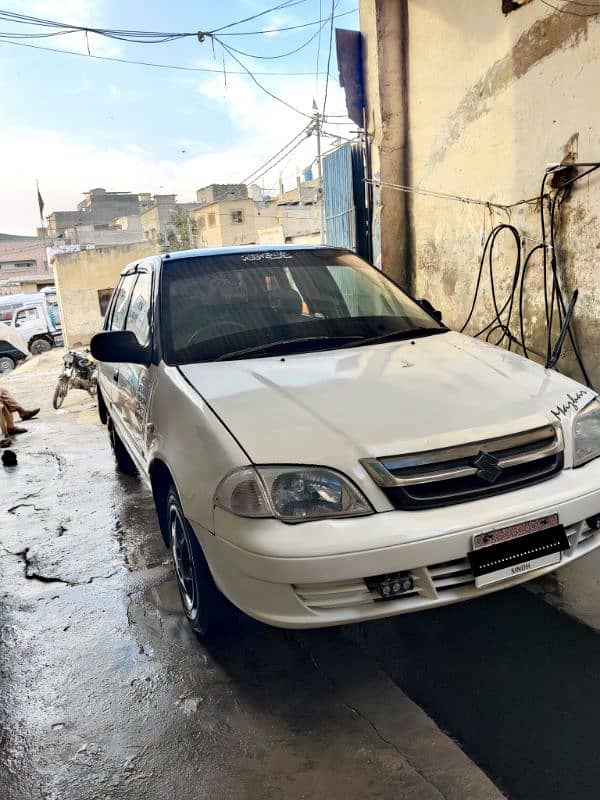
column 391, row 585
column 594, row 522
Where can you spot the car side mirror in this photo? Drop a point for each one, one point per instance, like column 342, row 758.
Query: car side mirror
column 119, row 347
column 431, row 310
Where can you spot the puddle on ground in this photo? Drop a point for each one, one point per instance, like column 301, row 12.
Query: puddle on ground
column 165, row 597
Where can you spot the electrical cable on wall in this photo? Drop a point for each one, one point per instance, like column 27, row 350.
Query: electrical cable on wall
column 555, row 307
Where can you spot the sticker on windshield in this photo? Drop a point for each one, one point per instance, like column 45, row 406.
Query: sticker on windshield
column 270, row 254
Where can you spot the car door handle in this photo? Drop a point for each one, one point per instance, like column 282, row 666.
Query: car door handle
column 116, row 376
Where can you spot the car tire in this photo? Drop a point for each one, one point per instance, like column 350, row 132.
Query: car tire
column 208, row 611
column 6, row 364
column 39, row 346
column 124, row 461
column 62, row 387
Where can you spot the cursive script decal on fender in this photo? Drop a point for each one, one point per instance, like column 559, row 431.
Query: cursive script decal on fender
column 569, row 404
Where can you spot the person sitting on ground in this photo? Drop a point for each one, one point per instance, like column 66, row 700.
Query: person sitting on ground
column 10, row 406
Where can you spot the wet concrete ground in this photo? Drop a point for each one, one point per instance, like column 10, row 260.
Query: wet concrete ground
column 106, row 694
column 513, row 680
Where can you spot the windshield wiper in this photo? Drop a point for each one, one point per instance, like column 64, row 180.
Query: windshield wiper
column 411, row 333
column 269, row 346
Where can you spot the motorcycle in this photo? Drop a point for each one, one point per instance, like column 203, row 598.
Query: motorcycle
column 78, row 372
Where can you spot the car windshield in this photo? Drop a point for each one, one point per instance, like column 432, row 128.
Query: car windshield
column 283, row 301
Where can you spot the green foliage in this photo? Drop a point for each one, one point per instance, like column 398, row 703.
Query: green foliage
column 182, row 231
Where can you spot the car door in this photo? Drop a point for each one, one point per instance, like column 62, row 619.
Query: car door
column 115, row 321
column 134, row 382
column 28, row 321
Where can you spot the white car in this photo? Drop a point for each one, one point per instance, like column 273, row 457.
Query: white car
column 322, row 450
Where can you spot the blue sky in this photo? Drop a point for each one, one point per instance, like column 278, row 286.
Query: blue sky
column 75, row 123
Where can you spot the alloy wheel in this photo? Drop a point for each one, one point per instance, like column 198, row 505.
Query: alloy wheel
column 183, row 559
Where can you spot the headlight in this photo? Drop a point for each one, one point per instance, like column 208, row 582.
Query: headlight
column 586, row 434
column 291, row 494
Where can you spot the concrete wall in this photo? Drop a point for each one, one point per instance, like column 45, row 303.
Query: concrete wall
column 217, row 192
column 80, row 276
column 90, row 234
column 491, row 100
column 280, row 223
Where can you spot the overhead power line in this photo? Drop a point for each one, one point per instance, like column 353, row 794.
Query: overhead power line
column 290, row 27
column 140, row 36
column 260, row 85
column 284, row 152
column 218, row 71
column 318, row 48
column 279, row 55
column 287, row 4
column 333, row 7
column 321, row 23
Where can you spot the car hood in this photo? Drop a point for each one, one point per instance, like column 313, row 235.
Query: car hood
column 332, row 408
column 13, row 337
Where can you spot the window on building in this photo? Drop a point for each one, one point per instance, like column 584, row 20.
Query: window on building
column 202, row 223
column 237, row 217
column 211, row 219
column 104, row 296
column 17, row 265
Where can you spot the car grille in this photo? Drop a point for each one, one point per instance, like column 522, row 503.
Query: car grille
column 468, row 472
column 446, row 580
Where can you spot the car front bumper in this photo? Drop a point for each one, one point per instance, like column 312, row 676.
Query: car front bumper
column 312, row 575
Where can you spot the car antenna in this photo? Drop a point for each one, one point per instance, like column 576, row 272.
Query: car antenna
column 563, row 332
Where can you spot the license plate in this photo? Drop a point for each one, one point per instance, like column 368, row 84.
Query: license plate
column 517, row 549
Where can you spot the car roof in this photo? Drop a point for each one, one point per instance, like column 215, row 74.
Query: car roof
column 223, row 251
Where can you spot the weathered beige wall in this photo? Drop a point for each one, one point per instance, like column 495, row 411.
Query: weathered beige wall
column 78, row 278
column 493, row 99
column 385, row 65
column 225, row 232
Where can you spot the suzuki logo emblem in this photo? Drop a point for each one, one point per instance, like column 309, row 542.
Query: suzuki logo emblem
column 487, row 467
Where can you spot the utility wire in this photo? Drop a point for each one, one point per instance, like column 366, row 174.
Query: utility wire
column 319, row 48
column 445, row 196
column 322, row 22
column 290, row 27
column 554, row 305
column 333, row 6
column 272, row 165
column 302, row 133
column 571, row 13
column 140, row 36
column 148, row 63
column 279, row 55
column 260, row 85
column 287, row 4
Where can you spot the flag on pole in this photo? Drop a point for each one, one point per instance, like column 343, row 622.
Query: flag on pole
column 40, row 202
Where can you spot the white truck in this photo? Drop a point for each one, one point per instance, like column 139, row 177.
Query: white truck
column 36, row 317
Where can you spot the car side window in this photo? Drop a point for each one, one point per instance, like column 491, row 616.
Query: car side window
column 121, row 303
column 138, row 316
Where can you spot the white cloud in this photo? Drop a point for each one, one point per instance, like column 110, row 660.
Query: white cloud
column 67, row 164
